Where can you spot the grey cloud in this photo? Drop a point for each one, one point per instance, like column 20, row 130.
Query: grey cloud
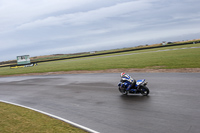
column 52, row 27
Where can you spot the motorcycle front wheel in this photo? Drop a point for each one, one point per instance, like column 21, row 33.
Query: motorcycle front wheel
column 122, row 90
column 144, row 91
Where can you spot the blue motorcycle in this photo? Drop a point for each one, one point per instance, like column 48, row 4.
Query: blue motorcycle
column 138, row 88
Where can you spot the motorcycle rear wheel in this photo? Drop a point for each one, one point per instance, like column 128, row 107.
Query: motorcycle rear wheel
column 144, row 91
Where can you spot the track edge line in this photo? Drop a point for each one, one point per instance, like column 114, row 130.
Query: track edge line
column 54, row 116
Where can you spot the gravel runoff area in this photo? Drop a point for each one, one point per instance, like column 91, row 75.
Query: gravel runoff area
column 129, row 70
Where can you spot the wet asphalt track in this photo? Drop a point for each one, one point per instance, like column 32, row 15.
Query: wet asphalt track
column 92, row 100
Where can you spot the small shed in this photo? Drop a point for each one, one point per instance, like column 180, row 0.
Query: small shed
column 24, row 59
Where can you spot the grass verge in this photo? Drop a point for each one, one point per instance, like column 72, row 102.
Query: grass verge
column 172, row 59
column 17, row 119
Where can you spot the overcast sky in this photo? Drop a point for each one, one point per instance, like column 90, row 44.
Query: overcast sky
column 43, row 27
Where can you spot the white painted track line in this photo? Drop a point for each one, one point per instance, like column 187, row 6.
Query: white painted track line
column 53, row 116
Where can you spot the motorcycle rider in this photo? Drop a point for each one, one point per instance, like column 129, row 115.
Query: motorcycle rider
column 127, row 80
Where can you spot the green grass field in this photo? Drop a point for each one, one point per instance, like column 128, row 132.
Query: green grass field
column 14, row 119
column 172, row 59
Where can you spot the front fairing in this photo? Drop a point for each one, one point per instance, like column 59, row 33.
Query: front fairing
column 119, row 84
column 126, row 84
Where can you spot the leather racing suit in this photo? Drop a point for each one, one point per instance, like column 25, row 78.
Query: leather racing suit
column 128, row 81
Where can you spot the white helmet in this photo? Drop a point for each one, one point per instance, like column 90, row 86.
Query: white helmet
column 122, row 74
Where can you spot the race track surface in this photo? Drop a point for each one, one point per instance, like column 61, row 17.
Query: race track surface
column 93, row 100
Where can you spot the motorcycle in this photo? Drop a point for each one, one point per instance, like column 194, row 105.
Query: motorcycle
column 138, row 88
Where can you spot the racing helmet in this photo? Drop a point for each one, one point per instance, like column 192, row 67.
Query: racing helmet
column 122, row 74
